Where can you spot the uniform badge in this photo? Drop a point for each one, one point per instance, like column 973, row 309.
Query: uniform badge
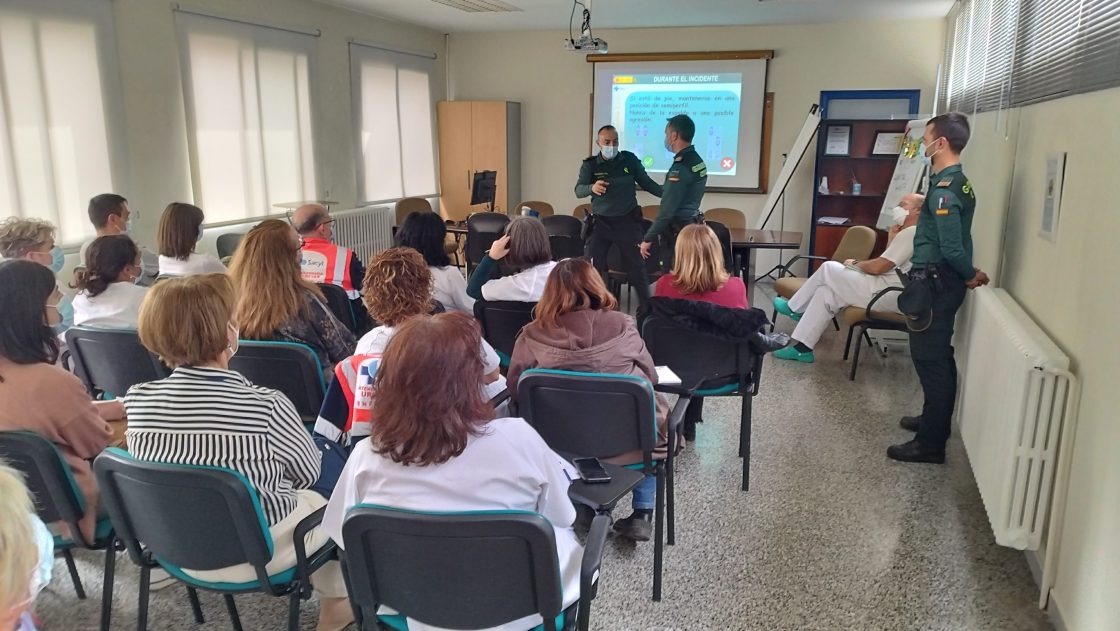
column 625, row 169
column 674, row 178
column 967, row 188
column 944, row 183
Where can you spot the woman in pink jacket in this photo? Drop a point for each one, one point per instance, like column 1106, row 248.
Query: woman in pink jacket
column 35, row 394
column 577, row 328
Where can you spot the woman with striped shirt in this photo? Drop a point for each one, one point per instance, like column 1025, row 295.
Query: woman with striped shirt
column 205, row 414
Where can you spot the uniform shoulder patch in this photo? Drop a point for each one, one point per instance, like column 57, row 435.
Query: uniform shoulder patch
column 696, row 168
column 944, row 183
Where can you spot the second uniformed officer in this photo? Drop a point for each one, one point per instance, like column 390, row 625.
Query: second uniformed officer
column 683, row 190
column 943, row 261
column 609, row 177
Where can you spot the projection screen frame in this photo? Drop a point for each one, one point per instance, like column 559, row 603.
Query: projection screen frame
column 725, row 55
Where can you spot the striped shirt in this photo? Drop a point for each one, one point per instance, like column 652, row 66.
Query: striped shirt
column 217, row 418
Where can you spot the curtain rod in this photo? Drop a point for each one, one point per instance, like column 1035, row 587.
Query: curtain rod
column 400, row 51
column 175, row 6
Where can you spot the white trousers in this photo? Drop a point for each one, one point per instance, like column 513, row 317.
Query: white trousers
column 327, row 580
column 831, row 288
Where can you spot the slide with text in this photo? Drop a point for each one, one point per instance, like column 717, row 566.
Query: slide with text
column 641, row 103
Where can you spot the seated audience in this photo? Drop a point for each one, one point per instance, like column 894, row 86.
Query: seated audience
column 38, row 396
column 448, row 452
column 33, row 239
column 835, row 286
column 205, row 414
column 577, row 328
column 275, row 303
column 526, row 250
column 698, row 273
column 110, row 215
column 426, row 233
column 26, row 553
column 703, row 275
column 180, row 230
column 322, row 261
column 108, row 295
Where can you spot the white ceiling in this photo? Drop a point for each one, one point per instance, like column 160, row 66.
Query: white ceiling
column 553, row 14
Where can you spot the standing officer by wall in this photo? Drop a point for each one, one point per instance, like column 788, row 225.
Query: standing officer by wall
column 943, row 262
column 683, row 190
column 609, row 177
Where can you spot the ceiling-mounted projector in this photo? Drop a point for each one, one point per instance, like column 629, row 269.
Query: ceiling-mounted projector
column 586, row 43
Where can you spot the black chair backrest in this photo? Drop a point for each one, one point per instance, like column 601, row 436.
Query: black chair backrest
column 46, row 475
column 112, row 360
column 564, row 236
column 198, row 518
column 724, row 236
column 502, row 321
column 289, row 367
column 617, row 414
column 228, row 242
column 458, row 571
column 339, row 304
column 482, row 230
column 698, row 358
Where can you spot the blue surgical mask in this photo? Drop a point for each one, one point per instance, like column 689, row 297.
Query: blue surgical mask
column 128, row 227
column 199, row 234
column 66, row 311
column 668, row 147
column 139, row 280
column 58, row 259
column 927, row 159
column 609, row 152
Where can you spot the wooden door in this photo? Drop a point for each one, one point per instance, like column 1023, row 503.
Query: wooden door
column 455, row 160
column 488, row 130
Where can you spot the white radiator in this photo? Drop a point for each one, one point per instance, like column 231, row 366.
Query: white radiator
column 366, row 231
column 1015, row 387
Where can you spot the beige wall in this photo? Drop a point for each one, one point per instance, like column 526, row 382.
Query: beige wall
column 554, row 88
column 155, row 123
column 1069, row 288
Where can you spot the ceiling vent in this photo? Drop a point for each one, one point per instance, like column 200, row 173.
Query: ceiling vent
column 479, row 6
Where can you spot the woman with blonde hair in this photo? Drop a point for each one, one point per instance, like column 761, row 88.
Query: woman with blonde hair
column 577, row 328
column 275, row 303
column 178, row 234
column 205, row 414
column 698, row 271
column 26, row 552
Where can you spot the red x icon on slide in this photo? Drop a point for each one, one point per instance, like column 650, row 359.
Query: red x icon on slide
column 726, row 163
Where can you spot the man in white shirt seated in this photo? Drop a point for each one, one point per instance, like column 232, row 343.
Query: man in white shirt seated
column 835, row 286
column 110, row 215
column 322, row 261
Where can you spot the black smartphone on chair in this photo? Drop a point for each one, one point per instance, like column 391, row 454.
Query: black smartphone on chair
column 591, row 470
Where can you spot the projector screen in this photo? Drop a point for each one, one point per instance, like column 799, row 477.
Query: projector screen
column 724, row 97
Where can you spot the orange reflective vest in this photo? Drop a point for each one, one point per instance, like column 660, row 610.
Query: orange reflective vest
column 324, row 262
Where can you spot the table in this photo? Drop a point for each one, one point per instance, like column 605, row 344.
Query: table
column 748, row 240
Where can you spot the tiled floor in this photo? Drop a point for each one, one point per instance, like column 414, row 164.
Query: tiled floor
column 832, row 535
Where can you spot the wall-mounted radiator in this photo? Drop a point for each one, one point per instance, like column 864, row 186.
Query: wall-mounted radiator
column 1014, row 412
column 367, row 230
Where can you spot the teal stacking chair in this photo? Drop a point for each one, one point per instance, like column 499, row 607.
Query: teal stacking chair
column 290, row 367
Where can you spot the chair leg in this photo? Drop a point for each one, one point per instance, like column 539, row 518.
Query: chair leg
column 867, row 338
column 848, row 344
column 669, row 466
column 293, row 611
column 855, row 358
column 196, row 607
column 142, row 611
column 835, row 324
column 107, row 587
column 231, row 607
column 74, row 578
column 745, row 440
column 773, row 319
column 658, row 533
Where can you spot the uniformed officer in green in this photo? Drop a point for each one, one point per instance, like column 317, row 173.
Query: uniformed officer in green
column 943, row 261
column 682, row 192
column 609, row 177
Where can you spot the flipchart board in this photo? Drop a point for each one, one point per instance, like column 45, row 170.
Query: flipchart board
column 908, row 171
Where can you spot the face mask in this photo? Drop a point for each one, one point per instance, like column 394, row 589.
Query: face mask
column 609, row 152
column 128, row 227
column 232, row 348
column 66, row 312
column 928, row 159
column 199, row 234
column 668, row 146
column 899, row 214
column 58, row 259
column 143, row 273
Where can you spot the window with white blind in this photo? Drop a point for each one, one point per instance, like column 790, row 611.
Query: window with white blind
column 393, row 118
column 247, row 91
column 1004, row 53
column 59, row 94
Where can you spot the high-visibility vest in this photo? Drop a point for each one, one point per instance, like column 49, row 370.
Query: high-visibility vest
column 355, row 376
column 324, row 262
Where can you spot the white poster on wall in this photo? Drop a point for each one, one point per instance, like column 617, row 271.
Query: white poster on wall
column 908, row 171
column 1052, row 199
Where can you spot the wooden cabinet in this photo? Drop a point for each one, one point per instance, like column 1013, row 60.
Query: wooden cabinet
column 478, row 136
column 861, row 164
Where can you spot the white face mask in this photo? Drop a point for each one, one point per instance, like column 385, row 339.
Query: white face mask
column 232, row 347
column 609, row 152
column 899, row 214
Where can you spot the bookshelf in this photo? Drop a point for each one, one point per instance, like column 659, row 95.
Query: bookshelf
column 858, row 164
